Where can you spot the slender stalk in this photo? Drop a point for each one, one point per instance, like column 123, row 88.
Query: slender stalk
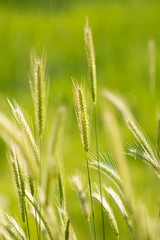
column 90, row 191
column 27, row 222
column 20, row 183
column 90, row 229
column 93, row 81
column 24, row 228
column 37, row 230
column 99, row 172
column 157, row 223
column 40, row 184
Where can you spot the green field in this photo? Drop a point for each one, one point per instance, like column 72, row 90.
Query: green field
column 121, row 31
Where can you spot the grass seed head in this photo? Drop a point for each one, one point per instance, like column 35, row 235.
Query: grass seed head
column 38, row 83
column 82, row 117
column 91, row 60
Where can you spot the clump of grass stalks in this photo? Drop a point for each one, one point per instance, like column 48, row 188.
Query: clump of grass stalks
column 36, row 168
column 29, row 169
column 83, row 124
column 93, row 82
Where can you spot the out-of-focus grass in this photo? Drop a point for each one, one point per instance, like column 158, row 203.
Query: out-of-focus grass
column 121, row 30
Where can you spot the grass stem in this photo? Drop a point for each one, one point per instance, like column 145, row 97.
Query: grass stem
column 90, row 191
column 40, row 184
column 37, row 230
column 157, row 223
column 99, row 173
column 90, row 229
column 27, row 222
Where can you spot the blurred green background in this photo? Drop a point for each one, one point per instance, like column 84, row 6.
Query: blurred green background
column 121, row 31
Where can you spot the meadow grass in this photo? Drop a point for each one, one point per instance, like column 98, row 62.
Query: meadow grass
column 111, row 71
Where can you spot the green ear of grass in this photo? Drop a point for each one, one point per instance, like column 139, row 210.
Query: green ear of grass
column 24, row 126
column 38, row 83
column 107, row 168
column 82, row 117
column 61, row 202
column 147, row 152
column 132, row 124
column 108, row 212
column 119, row 202
column 5, row 235
column 19, row 182
column 91, row 60
column 61, row 191
column 10, row 134
column 11, row 226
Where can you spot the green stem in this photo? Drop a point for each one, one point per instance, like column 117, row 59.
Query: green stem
column 99, row 172
column 90, row 229
column 40, row 184
column 157, row 224
column 24, row 227
column 27, row 222
column 90, row 191
column 36, row 220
